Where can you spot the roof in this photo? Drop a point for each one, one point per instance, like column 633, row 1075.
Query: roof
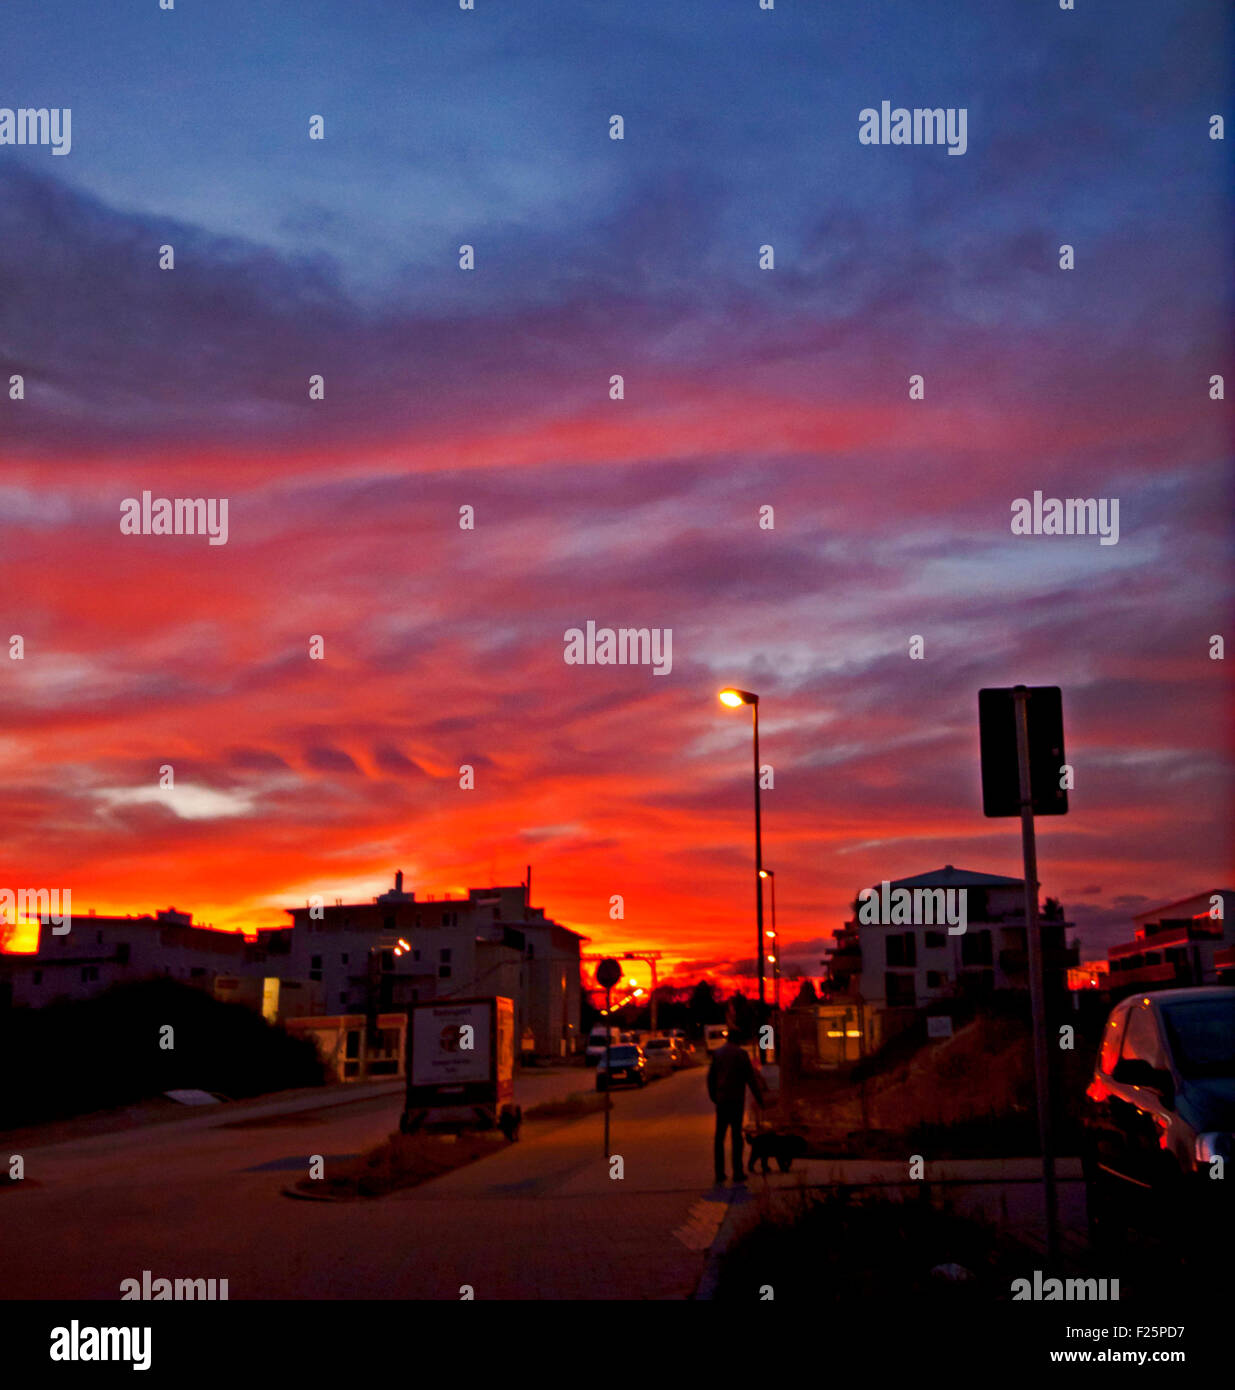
column 1179, row 996
column 1181, row 902
column 948, row 877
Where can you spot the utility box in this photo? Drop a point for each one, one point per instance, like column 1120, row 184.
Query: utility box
column 460, row 1065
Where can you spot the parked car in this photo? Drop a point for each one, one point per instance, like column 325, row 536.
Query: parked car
column 625, row 1066
column 596, row 1042
column 714, row 1036
column 1159, row 1109
column 662, row 1056
column 686, row 1048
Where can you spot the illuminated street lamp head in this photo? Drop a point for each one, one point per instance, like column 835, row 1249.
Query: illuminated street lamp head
column 733, row 698
column 767, row 873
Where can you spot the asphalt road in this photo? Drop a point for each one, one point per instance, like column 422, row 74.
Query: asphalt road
column 543, row 1218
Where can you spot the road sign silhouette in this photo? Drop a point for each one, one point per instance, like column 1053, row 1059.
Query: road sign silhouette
column 1001, row 790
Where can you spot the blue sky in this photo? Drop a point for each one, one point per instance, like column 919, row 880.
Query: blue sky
column 743, row 387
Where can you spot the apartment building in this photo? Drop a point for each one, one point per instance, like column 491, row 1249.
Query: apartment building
column 490, row 942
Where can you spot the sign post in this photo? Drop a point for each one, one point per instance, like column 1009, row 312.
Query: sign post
column 608, row 973
column 1013, row 737
column 1037, row 985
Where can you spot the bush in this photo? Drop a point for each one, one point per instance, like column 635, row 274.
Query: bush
column 857, row 1245
column 74, row 1057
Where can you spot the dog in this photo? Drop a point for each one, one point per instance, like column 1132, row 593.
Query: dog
column 784, row 1148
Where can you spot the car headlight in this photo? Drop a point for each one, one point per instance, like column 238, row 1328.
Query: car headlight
column 1213, row 1145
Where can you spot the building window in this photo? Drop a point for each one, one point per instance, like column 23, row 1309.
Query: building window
column 445, row 919
column 343, row 1000
column 934, row 940
column 197, row 972
column 415, row 955
column 976, row 948
column 444, row 955
column 343, row 958
column 89, row 972
column 98, row 936
column 899, row 991
column 902, row 949
column 37, row 977
column 497, row 914
column 934, row 979
column 443, row 972
column 315, row 962
column 388, row 923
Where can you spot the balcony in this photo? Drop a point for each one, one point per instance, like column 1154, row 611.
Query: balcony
column 1017, row 962
column 1164, row 974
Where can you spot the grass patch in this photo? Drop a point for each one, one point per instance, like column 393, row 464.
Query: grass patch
column 846, row 1245
column 402, row 1160
column 569, row 1108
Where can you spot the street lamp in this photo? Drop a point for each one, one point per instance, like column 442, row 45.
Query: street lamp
column 733, row 698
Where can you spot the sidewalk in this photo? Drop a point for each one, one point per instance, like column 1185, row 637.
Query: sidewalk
column 112, row 1128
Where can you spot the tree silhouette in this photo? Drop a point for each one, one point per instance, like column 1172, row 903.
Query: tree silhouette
column 805, row 997
column 703, row 1007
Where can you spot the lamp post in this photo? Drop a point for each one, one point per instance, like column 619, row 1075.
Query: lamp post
column 770, row 874
column 733, row 699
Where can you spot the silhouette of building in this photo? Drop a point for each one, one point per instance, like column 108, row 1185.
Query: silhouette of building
column 490, row 942
column 97, row 952
column 1181, row 944
column 895, row 969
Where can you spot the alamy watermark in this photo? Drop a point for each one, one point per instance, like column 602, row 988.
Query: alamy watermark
column 78, row 1343
column 623, row 646
column 37, row 125
column 51, row 905
column 924, row 125
column 175, row 516
column 1067, row 516
column 894, row 907
column 199, row 1290
column 1066, row 1290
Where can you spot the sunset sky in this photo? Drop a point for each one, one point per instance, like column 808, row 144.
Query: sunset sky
column 743, row 387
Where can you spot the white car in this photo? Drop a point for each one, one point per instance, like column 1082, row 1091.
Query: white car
column 662, row 1056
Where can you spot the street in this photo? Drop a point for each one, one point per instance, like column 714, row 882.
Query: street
column 540, row 1219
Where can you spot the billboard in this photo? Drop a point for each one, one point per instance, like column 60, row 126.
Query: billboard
column 440, row 1055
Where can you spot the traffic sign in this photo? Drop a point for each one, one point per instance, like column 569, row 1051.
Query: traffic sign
column 1001, row 789
column 608, row 973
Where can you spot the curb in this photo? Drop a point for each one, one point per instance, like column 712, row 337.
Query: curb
column 709, row 1280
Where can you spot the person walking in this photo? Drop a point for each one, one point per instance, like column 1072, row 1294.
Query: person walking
column 729, row 1075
